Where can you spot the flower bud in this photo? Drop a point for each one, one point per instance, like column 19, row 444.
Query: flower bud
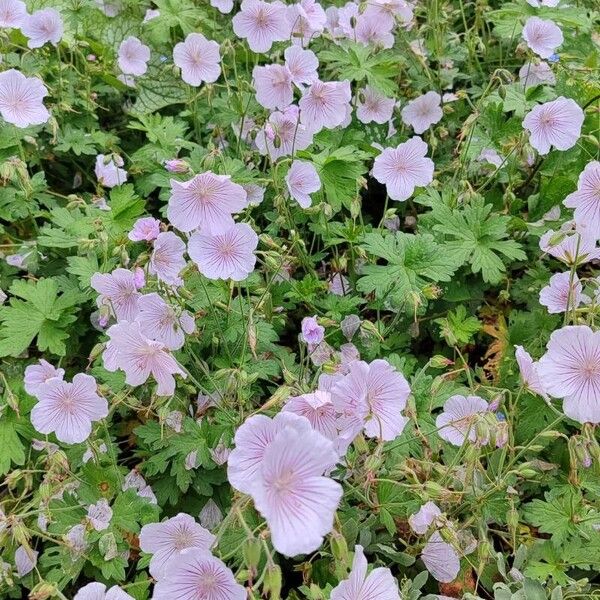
column 272, row 581
column 252, row 551
column 339, row 547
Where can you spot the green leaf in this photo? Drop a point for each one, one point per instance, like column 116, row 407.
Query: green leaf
column 457, row 328
column 12, row 450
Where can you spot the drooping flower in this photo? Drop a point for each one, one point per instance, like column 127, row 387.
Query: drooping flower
column 575, row 248
column 372, row 395
column 491, row 156
column 302, row 65
column 532, row 74
column 206, row 201
column 421, row 521
column 37, row 374
column 131, row 351
column 542, row 36
column 255, row 194
column 273, row 85
column 586, row 199
column 12, row 13
column 43, row 26
column 166, row 260
column 307, row 19
column 556, row 123
column 100, row 514
column 160, row 321
column 223, row 6
column 302, row 180
column 283, row 134
column 108, row 7
column 312, row 332
column 210, row 515
column 441, row 559
column 22, row 99
column 374, row 106
column 529, row 372
column 195, row 574
column 167, row 539
column 108, row 170
column 291, row 492
column 198, row 58
column 403, row 168
column 25, row 560
column 133, row 480
column 151, row 13
column 133, row 56
column 563, row 293
column 324, row 104
column 98, row 591
column 177, row 165
column 68, row 409
column 251, row 440
column 118, row 291
column 262, row 23
column 379, row 584
column 422, row 112
column 457, row 422
column 226, row 255
column 145, row 229
column 570, row 369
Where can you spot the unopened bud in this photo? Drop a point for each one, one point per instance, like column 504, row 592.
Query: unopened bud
column 272, row 581
column 252, row 551
column 339, row 547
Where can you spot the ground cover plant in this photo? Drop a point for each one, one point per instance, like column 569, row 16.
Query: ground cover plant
column 299, row 300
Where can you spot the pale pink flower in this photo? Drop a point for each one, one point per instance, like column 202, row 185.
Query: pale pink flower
column 318, row 409
column 100, row 514
column 145, row 229
column 457, row 422
column 586, row 199
column 108, row 170
column 273, row 85
column 421, row 521
column 283, row 134
column 441, row 559
column 198, row 58
column 118, row 291
column 36, row 375
column 575, row 248
column 25, row 560
column 338, row 285
column 379, row 584
column 109, row 8
column 133, row 480
column 370, row 31
column 324, row 104
column 388, row 10
column 403, row 168
column 374, row 106
column 43, row 26
column 491, row 156
column 307, row 19
column 98, row 591
column 128, row 80
column 151, row 13
column 177, row 165
column 68, row 409
column 570, row 369
column 251, row 441
column 422, row 112
column 206, row 201
column 133, row 56
column 131, row 351
column 562, row 293
column 166, row 260
column 169, row 538
column 261, row 24
column 162, row 323
column 292, row 494
column 226, row 255
column 542, row 36
column 197, row 575
column 302, row 180
column 255, row 194
column 312, row 332
column 223, row 6
column 12, row 13
column 531, row 74
column 373, row 395
column 22, row 99
column 302, row 65
column 557, row 123
column 529, row 372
